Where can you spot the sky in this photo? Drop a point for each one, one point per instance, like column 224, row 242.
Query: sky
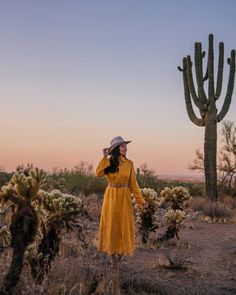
column 75, row 74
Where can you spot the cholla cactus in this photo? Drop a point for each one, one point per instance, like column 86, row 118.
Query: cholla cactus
column 151, row 197
column 62, row 208
column 63, row 211
column 7, row 189
column 147, row 219
column 40, row 218
column 175, row 197
column 174, row 219
column 175, row 216
column 63, row 205
column 28, row 186
column 23, row 187
column 21, row 191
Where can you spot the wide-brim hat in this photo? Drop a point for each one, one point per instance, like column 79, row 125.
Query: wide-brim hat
column 115, row 142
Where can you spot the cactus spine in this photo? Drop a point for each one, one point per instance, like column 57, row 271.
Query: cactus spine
column 209, row 116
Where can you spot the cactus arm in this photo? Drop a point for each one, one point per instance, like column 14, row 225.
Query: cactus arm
column 220, row 70
column 15, row 199
column 188, row 102
column 230, row 87
column 210, row 66
column 206, row 75
column 198, row 56
column 196, row 100
column 11, row 197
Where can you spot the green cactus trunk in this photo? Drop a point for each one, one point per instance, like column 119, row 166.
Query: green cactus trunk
column 210, row 151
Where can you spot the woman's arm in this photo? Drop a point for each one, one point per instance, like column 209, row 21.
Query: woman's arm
column 134, row 188
column 104, row 163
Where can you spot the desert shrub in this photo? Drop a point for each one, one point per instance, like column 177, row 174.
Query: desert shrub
column 196, row 189
column 225, row 190
column 215, row 210
column 147, row 178
column 81, row 180
column 78, row 180
column 146, row 219
column 229, row 202
column 85, row 184
column 175, row 198
column 59, row 211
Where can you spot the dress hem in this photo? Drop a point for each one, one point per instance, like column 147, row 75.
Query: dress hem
column 117, row 252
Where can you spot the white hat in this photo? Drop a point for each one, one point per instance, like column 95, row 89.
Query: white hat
column 115, row 142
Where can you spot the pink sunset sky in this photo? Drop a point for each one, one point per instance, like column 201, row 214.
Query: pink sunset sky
column 75, row 74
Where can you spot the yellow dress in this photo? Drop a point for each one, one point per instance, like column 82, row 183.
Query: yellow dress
column 116, row 228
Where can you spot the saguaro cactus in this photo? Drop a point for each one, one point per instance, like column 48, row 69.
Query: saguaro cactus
column 209, row 115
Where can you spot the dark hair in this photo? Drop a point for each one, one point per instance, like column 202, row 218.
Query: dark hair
column 114, row 161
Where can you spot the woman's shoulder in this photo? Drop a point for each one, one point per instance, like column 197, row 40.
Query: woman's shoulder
column 129, row 161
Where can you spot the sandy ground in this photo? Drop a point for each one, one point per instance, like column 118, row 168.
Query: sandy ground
column 205, row 251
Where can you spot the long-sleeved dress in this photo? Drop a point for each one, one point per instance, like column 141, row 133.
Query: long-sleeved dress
column 116, row 228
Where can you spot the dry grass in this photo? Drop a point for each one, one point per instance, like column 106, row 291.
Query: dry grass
column 78, row 271
column 72, row 277
column 229, row 202
column 215, row 210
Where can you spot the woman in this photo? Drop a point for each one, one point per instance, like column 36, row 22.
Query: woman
column 116, row 229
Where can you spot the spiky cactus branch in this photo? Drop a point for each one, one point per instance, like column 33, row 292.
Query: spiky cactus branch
column 207, row 105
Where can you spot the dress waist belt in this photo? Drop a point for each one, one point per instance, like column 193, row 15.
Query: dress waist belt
column 118, row 185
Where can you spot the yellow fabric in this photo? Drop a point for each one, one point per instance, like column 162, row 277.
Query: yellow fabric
column 116, row 228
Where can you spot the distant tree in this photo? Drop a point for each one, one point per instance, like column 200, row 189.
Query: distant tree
column 146, row 176
column 226, row 166
column 146, row 171
column 84, row 168
column 198, row 162
column 227, row 157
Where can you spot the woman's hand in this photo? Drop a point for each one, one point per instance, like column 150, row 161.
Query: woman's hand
column 105, row 152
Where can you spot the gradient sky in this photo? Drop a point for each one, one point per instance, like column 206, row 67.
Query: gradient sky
column 75, row 74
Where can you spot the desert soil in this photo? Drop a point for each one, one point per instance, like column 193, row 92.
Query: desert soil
column 205, row 254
